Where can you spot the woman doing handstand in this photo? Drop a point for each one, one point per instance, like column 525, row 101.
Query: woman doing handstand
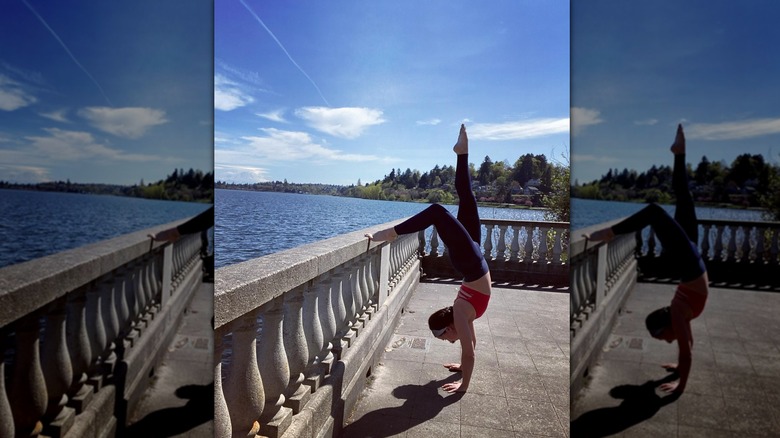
column 679, row 237
column 462, row 236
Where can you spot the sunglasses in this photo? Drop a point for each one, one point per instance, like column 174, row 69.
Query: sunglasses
column 437, row 333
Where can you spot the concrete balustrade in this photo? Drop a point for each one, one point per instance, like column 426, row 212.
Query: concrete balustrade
column 529, row 252
column 302, row 328
column 82, row 331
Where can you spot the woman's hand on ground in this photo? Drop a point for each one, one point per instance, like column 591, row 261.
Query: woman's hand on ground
column 454, row 367
column 669, row 366
column 454, row 387
column 673, row 387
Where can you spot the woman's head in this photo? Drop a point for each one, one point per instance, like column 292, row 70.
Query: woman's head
column 659, row 324
column 441, row 323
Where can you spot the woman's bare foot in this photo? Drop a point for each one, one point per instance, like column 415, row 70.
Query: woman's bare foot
column 387, row 235
column 605, row 234
column 462, row 146
column 678, row 147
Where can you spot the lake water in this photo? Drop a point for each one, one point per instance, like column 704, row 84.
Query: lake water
column 253, row 224
column 587, row 212
column 37, row 224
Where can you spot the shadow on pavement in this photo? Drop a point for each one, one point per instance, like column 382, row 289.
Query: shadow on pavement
column 167, row 422
column 640, row 403
column 424, row 400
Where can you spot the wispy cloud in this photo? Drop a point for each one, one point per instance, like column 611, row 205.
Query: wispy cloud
column 646, row 122
column 57, row 116
column 285, row 51
column 520, row 129
column 130, row 122
column 76, row 145
column 431, row 122
column 67, row 50
column 582, row 117
column 229, row 94
column 24, row 174
column 240, row 174
column 733, row 130
column 348, row 122
column 280, row 145
column 13, row 96
column 600, row 159
column 274, row 116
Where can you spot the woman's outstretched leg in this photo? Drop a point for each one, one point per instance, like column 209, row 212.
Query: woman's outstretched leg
column 468, row 215
column 684, row 213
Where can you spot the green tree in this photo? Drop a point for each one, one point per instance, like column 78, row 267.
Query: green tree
column 558, row 201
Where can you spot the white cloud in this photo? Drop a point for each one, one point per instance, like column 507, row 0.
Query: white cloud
column 24, row 174
column 240, row 174
column 733, row 130
column 521, row 129
column 229, row 95
column 601, row 159
column 347, row 122
column 274, row 116
column 582, row 117
column 57, row 116
column 75, row 145
column 12, row 96
column 130, row 122
column 432, row 122
column 291, row 146
column 646, row 122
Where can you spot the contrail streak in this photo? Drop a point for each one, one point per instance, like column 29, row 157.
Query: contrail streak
column 284, row 50
column 68, row 51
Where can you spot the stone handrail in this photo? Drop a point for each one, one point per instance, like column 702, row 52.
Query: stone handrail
column 74, row 328
column 602, row 275
column 324, row 312
column 515, row 252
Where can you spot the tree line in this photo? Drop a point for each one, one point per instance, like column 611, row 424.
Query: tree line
column 531, row 181
column 191, row 186
column 747, row 182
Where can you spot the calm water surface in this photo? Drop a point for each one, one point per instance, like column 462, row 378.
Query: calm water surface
column 254, row 224
column 37, row 224
column 587, row 212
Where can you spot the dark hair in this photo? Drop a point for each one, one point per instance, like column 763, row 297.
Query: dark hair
column 440, row 318
column 658, row 320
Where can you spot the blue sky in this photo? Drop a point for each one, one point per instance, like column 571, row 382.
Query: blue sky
column 105, row 92
column 639, row 68
column 313, row 93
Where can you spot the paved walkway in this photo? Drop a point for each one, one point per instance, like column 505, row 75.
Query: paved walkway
column 520, row 385
column 734, row 386
column 180, row 402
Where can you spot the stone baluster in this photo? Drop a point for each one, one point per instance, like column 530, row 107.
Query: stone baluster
column 327, row 322
column 57, row 370
column 95, row 329
column 296, row 348
column 274, row 369
column 110, row 320
column 372, row 280
column 501, row 250
column 489, row 242
column 354, row 300
column 148, row 285
column 6, row 416
column 365, row 293
column 774, row 247
column 514, row 254
column 651, row 243
column 544, row 247
column 705, row 242
column 140, row 296
column 313, row 331
column 79, row 349
column 719, row 243
column 27, row 386
column 122, row 307
column 222, row 426
column 746, row 247
column 131, row 297
column 339, row 288
column 529, row 244
column 760, row 237
column 731, row 251
column 434, row 242
column 244, row 393
column 421, row 242
column 557, row 245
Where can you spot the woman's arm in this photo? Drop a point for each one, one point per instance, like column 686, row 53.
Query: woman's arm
column 682, row 329
column 463, row 313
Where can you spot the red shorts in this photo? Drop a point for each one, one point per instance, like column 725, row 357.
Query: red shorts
column 478, row 300
column 690, row 299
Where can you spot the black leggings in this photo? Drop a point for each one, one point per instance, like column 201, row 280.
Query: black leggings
column 462, row 235
column 678, row 236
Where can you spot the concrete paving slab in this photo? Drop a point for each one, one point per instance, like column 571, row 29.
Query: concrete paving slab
column 180, row 402
column 734, row 386
column 520, row 382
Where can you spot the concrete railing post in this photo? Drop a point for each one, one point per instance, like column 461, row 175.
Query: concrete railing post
column 296, row 348
column 274, row 370
column 6, row 416
column 57, row 370
column 222, row 426
column 28, row 389
column 244, row 393
column 79, row 349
